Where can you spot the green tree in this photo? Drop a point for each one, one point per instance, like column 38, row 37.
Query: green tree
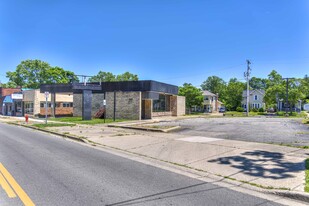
column 275, row 89
column 8, row 85
column 110, row 77
column 214, row 84
column 103, row 77
column 257, row 83
column 127, row 76
column 233, row 94
column 304, row 86
column 194, row 96
column 33, row 73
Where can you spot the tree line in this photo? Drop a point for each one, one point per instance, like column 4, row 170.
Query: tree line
column 230, row 93
column 32, row 73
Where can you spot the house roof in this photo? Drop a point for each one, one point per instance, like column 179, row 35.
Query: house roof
column 208, row 93
column 262, row 92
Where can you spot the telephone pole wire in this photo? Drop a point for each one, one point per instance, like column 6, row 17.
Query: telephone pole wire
column 247, row 76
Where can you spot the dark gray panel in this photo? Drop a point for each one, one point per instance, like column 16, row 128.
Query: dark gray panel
column 127, row 86
column 86, row 104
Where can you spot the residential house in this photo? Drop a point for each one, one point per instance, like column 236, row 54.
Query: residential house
column 256, row 99
column 211, row 102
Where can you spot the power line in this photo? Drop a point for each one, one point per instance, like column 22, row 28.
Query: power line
column 196, row 75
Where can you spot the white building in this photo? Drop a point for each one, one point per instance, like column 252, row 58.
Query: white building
column 256, row 99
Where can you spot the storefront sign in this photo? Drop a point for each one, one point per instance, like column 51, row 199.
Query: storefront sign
column 17, row 96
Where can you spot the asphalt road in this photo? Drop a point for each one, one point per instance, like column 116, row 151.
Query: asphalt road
column 252, row 129
column 55, row 171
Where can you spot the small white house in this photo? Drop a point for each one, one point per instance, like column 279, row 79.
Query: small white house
column 256, row 99
column 211, row 102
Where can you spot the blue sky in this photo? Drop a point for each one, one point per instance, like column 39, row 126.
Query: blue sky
column 172, row 41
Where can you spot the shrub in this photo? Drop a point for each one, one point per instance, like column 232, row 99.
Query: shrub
column 254, row 110
column 293, row 114
column 240, row 109
column 261, row 110
column 280, row 113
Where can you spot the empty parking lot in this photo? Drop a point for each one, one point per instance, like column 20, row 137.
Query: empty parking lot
column 253, row 129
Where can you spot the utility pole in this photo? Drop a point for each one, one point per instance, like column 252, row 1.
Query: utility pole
column 287, row 95
column 247, row 76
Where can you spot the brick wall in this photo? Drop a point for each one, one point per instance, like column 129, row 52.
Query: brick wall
column 60, row 111
column 8, row 91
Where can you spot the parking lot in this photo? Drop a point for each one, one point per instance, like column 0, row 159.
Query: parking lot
column 254, row 129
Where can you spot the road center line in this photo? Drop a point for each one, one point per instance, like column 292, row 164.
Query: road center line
column 19, row 191
column 7, row 188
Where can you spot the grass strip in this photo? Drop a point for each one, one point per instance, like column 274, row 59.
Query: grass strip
column 78, row 120
column 307, row 176
column 53, row 125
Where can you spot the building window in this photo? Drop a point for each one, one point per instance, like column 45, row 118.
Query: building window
column 42, row 104
column 28, row 107
column 159, row 104
column 205, row 97
column 255, row 97
column 67, row 104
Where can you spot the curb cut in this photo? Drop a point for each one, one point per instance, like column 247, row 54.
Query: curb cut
column 51, row 132
column 145, row 128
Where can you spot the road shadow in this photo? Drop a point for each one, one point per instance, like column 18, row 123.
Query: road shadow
column 264, row 164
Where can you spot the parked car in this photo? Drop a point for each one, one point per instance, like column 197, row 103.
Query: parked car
column 270, row 110
column 222, row 110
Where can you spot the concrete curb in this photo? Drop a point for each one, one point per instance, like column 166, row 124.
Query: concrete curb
column 145, row 128
column 48, row 131
column 302, row 196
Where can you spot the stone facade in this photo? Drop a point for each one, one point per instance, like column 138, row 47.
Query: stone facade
column 128, row 104
column 178, row 105
column 77, row 105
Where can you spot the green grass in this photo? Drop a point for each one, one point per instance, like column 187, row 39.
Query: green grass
column 242, row 114
column 78, row 120
column 307, row 176
column 53, row 125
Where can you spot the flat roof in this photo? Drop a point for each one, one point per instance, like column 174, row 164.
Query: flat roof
column 125, row 86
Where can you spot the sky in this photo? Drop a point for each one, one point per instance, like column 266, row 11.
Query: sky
column 172, row 41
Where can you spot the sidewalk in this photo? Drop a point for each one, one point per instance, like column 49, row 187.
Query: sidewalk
column 262, row 165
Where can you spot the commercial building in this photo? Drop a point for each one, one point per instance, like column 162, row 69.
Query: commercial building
column 34, row 103
column 122, row 100
column 10, row 101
